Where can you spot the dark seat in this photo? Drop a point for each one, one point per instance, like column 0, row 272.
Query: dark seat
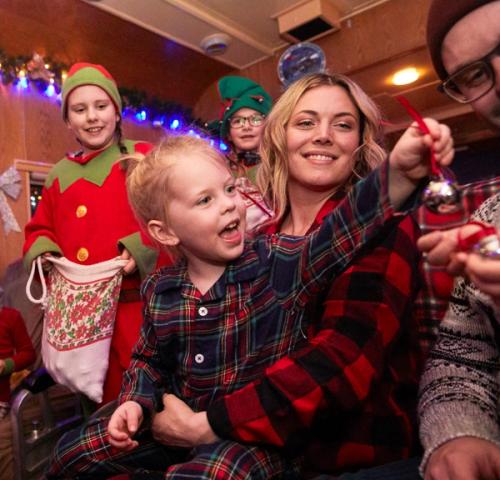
column 41, row 412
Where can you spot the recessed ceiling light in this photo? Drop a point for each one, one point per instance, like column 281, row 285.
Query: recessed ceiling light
column 405, row 76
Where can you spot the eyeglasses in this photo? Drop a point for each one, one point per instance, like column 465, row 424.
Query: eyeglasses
column 254, row 120
column 472, row 81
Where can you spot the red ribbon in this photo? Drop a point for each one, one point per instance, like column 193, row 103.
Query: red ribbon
column 435, row 170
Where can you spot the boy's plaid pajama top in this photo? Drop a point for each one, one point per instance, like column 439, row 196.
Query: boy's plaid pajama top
column 199, row 347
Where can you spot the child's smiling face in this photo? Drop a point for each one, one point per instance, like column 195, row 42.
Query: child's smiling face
column 92, row 117
column 205, row 212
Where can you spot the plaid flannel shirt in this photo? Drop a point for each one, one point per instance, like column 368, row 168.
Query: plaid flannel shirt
column 347, row 396
column 200, row 347
column 432, row 301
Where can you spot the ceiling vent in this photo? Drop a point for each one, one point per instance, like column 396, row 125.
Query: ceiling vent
column 308, row 20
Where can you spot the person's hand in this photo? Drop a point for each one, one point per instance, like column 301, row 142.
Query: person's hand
column 123, row 425
column 441, row 248
column 2, row 366
column 46, row 264
column 131, row 265
column 410, row 155
column 465, row 458
column 484, row 273
column 178, row 426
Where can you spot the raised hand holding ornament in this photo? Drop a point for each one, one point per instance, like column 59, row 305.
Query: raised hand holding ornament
column 442, row 195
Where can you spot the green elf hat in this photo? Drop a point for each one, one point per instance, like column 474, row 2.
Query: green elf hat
column 240, row 92
column 89, row 74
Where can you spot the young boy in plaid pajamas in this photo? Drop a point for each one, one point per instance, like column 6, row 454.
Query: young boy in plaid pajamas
column 228, row 309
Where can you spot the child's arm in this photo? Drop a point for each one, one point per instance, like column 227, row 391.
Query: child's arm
column 40, row 236
column 409, row 160
column 24, row 353
column 358, row 218
column 147, row 370
column 123, row 425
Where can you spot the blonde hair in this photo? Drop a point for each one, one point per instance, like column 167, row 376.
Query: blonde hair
column 272, row 176
column 148, row 185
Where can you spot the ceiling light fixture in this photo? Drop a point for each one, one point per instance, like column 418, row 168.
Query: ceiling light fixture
column 405, row 76
column 215, row 44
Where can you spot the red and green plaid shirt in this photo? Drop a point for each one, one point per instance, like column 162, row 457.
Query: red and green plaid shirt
column 347, row 396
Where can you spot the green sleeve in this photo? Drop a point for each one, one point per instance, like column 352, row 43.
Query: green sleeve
column 40, row 245
column 9, row 366
column 145, row 256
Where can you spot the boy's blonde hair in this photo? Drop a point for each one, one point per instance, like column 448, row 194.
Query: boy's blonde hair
column 272, row 177
column 148, row 176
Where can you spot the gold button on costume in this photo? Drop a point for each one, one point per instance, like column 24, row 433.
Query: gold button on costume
column 81, row 211
column 82, row 254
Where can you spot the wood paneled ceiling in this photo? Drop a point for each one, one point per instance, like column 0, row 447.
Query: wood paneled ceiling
column 251, row 25
column 376, row 38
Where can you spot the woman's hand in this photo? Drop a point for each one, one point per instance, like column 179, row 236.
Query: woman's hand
column 131, row 265
column 179, row 426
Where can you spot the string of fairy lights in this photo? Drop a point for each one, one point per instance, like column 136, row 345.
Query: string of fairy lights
column 43, row 76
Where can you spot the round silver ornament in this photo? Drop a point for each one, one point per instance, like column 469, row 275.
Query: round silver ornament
column 442, row 196
column 489, row 246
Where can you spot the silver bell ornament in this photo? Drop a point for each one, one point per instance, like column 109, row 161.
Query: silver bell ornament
column 489, row 246
column 442, row 195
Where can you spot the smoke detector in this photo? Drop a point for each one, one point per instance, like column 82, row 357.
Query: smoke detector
column 215, row 44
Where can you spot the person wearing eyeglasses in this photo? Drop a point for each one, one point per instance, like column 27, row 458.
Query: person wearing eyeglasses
column 460, row 389
column 245, row 107
column 466, row 57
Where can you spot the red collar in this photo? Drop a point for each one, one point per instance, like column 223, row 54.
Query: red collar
column 325, row 209
column 81, row 158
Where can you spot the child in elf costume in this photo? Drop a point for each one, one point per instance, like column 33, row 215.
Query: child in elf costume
column 84, row 214
column 246, row 105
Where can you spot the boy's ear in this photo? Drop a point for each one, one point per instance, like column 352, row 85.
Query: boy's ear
column 162, row 234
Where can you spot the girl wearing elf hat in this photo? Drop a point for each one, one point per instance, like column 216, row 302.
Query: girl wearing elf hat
column 84, row 214
column 245, row 107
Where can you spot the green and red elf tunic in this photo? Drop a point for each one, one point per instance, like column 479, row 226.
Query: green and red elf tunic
column 85, row 216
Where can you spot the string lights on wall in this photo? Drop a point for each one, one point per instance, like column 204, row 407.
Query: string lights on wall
column 29, row 74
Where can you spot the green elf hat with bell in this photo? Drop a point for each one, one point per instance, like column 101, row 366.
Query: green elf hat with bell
column 89, row 74
column 240, row 92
